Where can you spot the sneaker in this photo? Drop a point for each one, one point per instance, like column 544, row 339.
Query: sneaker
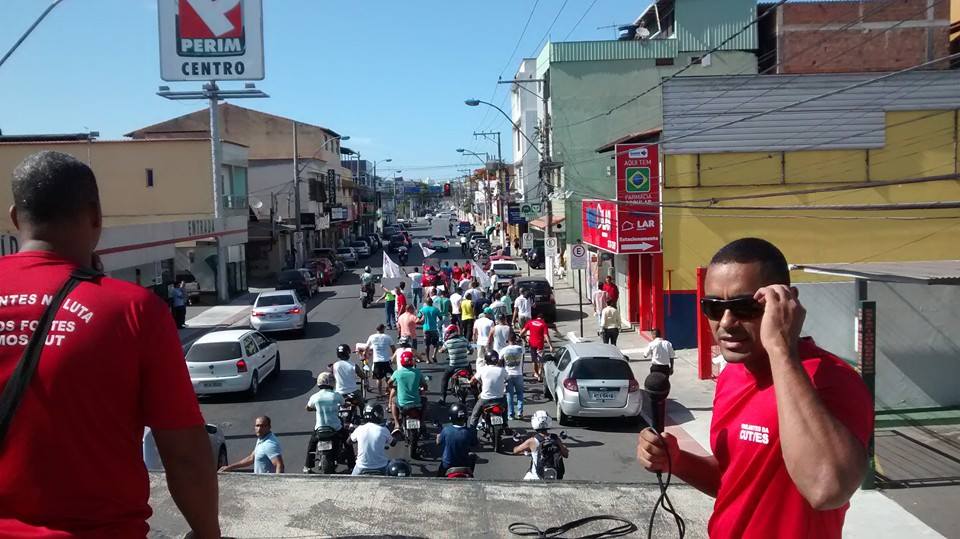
column 395, row 433
column 307, row 470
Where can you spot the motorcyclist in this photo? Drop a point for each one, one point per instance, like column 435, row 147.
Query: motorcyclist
column 541, row 424
column 372, row 440
column 326, row 404
column 347, row 374
column 402, row 255
column 366, row 282
column 408, row 388
column 458, row 356
column 493, row 380
column 456, row 440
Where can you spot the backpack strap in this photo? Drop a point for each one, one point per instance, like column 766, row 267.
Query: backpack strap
column 19, row 380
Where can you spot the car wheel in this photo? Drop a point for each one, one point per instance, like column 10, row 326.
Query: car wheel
column 222, row 457
column 254, row 386
column 562, row 418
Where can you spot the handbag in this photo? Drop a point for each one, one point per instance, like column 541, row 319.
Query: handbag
column 20, row 379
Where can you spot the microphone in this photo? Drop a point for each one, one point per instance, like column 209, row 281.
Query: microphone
column 657, row 387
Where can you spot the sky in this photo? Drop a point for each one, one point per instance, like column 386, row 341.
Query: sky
column 391, row 75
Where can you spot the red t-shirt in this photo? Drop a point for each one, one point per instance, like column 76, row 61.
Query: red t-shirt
column 537, row 329
column 757, row 498
column 72, row 460
column 401, row 302
column 612, row 291
column 457, row 272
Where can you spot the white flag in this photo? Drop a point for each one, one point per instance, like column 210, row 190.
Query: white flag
column 390, row 268
column 481, row 277
column 426, row 250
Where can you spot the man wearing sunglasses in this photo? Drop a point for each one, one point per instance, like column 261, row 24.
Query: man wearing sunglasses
column 791, row 421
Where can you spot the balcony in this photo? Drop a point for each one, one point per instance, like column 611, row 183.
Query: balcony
column 234, row 202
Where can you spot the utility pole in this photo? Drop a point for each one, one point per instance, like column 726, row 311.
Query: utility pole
column 502, row 187
column 298, row 235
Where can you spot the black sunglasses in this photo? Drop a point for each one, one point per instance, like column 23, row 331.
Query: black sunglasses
column 743, row 307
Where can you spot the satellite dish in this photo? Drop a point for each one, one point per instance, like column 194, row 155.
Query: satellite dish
column 255, row 203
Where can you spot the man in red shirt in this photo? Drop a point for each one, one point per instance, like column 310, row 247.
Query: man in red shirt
column 539, row 333
column 613, row 293
column 71, row 463
column 791, row 421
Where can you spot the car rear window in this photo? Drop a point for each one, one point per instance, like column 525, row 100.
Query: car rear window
column 290, row 275
column 214, row 351
column 438, row 238
column 502, row 266
column 273, row 301
column 594, row 368
column 538, row 287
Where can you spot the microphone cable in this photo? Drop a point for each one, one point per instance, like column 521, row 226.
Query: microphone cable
column 664, row 500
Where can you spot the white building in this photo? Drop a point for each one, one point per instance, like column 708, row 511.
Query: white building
column 523, row 106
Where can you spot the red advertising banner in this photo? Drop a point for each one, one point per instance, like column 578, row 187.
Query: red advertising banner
column 600, row 224
column 621, row 228
column 638, row 172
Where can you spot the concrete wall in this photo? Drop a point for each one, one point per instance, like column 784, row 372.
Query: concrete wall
column 830, row 313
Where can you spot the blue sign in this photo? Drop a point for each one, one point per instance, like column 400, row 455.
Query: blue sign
column 514, row 215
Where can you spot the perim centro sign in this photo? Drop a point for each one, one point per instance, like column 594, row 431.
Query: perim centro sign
column 211, row 39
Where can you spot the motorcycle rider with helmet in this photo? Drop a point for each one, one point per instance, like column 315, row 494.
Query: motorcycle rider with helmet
column 347, row 374
column 371, row 439
column 407, row 388
column 458, row 357
column 492, row 378
column 541, row 425
column 326, row 404
column 366, row 282
column 455, row 441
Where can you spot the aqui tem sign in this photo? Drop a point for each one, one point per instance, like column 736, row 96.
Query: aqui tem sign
column 211, row 39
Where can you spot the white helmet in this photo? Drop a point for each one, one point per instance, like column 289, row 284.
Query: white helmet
column 326, row 379
column 540, row 420
column 367, row 269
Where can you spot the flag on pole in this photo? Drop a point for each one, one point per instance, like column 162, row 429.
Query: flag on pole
column 427, row 252
column 390, row 268
column 481, row 276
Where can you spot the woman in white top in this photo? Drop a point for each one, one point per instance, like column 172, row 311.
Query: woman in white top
column 540, row 423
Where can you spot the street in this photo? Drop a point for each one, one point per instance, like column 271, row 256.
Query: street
column 599, row 450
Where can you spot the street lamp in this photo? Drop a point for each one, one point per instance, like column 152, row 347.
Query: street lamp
column 476, row 102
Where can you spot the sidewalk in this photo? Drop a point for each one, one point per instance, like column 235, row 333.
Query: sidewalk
column 203, row 318
column 872, row 513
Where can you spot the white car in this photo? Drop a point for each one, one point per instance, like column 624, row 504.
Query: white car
column 506, row 269
column 348, row 255
column 282, row 310
column 218, row 444
column 361, row 248
column 592, row 380
column 231, row 361
column 438, row 243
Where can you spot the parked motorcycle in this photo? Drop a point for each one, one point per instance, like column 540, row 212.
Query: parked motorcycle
column 492, row 424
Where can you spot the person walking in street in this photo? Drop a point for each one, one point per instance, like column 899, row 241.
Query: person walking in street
column 613, row 293
column 446, row 269
column 610, row 323
column 416, row 286
column 179, row 304
column 516, row 244
column 493, row 282
column 502, row 333
column 456, row 273
column 538, row 336
column 401, row 294
column 523, row 309
column 482, row 330
column 499, row 307
column 442, row 303
column 380, row 347
column 660, row 352
column 407, row 326
column 455, row 299
column 389, row 300
column 71, row 457
column 599, row 301
column 466, row 317
column 267, row 455
column 458, row 357
column 429, row 316
column 512, row 356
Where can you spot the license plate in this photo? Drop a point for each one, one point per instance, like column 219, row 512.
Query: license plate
column 274, row 316
column 324, row 445
column 603, row 395
column 496, row 420
column 464, row 381
column 413, row 423
column 212, row 384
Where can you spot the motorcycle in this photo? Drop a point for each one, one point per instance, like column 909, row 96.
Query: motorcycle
column 333, row 448
column 491, row 424
column 549, row 472
column 402, row 255
column 411, row 423
column 462, row 386
column 366, row 295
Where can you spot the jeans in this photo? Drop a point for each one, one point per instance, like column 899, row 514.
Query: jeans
column 357, row 470
column 610, row 335
column 417, row 296
column 180, row 315
column 390, row 310
column 478, row 408
column 515, row 395
column 467, row 329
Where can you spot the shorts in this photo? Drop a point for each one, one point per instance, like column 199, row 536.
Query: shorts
column 382, row 369
column 536, row 355
column 431, row 338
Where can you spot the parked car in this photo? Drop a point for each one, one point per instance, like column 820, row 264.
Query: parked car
column 591, row 380
column 190, row 285
column 396, row 241
column 375, row 241
column 536, row 257
column 301, row 280
column 327, row 273
column 463, row 227
column 232, row 361
column 388, row 231
column 439, row 243
column 282, row 310
column 472, row 238
column 218, row 445
column 505, row 269
column 543, row 298
column 361, row 247
column 348, row 255
column 325, row 252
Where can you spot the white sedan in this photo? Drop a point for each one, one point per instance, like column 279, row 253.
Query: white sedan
column 232, row 361
column 506, row 269
column 281, row 310
column 439, row 243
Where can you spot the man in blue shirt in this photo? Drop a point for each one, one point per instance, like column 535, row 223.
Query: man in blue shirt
column 456, row 440
column 267, row 456
column 429, row 316
column 326, row 404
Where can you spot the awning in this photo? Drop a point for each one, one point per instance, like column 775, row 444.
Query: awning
column 541, row 222
column 649, row 135
column 915, row 271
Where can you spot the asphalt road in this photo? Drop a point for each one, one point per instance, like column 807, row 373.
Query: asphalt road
column 599, row 450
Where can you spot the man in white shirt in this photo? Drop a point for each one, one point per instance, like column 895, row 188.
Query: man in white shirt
column 500, row 336
column 381, row 346
column 346, row 373
column 482, row 329
column 493, row 281
column 512, row 356
column 455, row 306
column 493, row 386
column 660, row 352
column 416, row 286
column 599, row 300
column 464, row 285
column 372, row 439
column 523, row 309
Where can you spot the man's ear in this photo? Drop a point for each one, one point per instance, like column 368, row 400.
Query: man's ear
column 14, row 217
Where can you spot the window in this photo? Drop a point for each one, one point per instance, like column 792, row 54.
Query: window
column 601, row 368
column 249, row 347
column 262, row 341
column 214, row 351
column 275, row 301
column 564, row 360
column 662, row 62
column 149, row 177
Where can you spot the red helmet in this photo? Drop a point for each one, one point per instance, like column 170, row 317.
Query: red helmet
column 450, row 331
column 406, row 359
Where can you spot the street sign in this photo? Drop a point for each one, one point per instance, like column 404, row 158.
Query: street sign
column 527, row 241
column 207, row 40
column 514, row 215
column 621, row 228
column 638, row 172
column 578, row 256
column 551, row 246
column 531, row 211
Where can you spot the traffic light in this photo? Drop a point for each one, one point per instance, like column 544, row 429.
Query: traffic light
column 446, row 189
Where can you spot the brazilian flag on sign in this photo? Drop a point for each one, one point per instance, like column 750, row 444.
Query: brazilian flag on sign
column 638, row 179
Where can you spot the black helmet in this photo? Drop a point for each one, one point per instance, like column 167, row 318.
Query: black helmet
column 492, row 357
column 343, row 351
column 373, row 413
column 399, row 468
column 458, row 413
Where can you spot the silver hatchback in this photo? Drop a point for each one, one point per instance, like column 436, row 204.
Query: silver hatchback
column 592, row 380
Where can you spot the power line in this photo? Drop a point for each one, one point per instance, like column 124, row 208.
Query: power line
column 519, row 39
column 580, row 19
column 547, row 33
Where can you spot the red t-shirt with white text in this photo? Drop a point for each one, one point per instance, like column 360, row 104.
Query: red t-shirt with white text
column 537, row 329
column 72, row 460
column 757, row 498
column 613, row 293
